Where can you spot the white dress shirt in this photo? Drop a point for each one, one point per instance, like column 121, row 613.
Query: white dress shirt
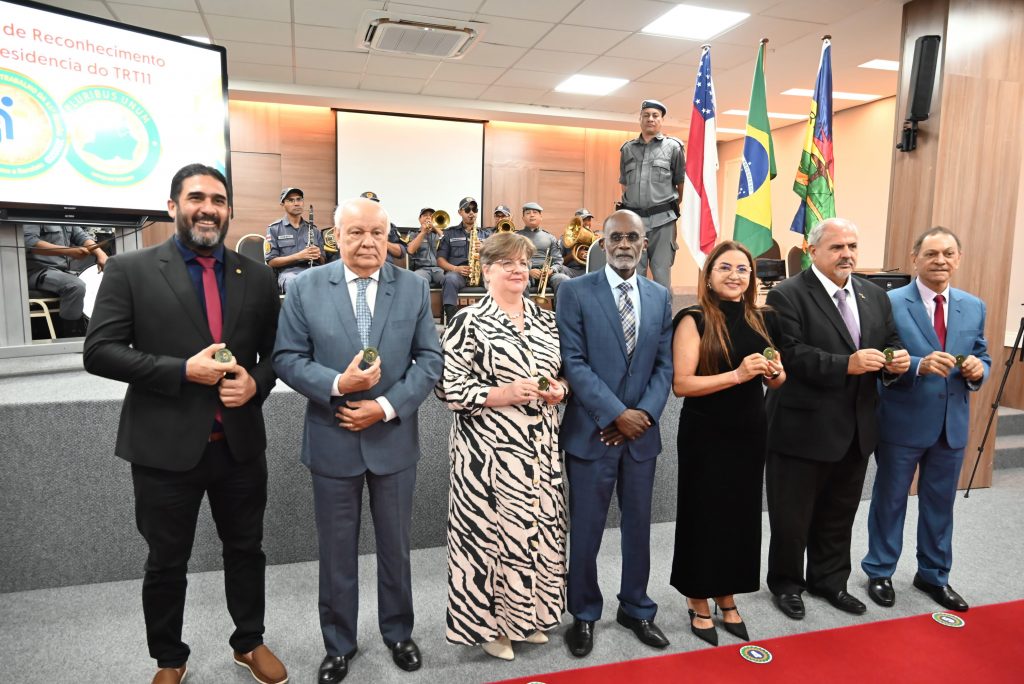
column 614, row 280
column 832, row 288
column 371, row 301
column 928, row 299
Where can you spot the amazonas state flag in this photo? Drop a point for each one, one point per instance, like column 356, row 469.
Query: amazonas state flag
column 700, row 192
column 753, row 226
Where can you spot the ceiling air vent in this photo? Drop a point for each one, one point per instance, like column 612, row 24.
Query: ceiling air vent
column 416, row 35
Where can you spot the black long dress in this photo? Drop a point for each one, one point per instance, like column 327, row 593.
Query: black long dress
column 721, row 446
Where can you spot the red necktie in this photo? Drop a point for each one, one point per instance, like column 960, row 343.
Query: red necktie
column 212, row 295
column 940, row 321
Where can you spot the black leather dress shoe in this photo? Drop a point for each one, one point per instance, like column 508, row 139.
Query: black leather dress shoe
column 406, row 655
column 842, row 600
column 334, row 668
column 792, row 605
column 881, row 592
column 580, row 637
column 943, row 595
column 646, row 631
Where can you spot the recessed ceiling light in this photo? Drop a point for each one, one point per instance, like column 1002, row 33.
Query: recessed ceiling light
column 590, row 85
column 741, row 131
column 198, row 39
column 836, row 95
column 883, row 64
column 695, row 23
column 771, row 115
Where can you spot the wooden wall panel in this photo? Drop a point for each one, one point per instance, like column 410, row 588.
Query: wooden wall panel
column 561, row 194
column 256, row 176
column 255, row 126
column 601, row 169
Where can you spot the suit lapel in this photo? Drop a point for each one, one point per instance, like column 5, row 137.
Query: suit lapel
column 954, row 318
column 174, row 271
column 606, row 300
column 870, row 317
column 920, row 315
column 338, row 295
column 828, row 307
column 648, row 319
column 382, row 304
column 234, row 293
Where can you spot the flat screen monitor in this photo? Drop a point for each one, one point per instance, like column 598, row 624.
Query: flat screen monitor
column 96, row 116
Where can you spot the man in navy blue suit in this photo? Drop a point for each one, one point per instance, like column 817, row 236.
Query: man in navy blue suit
column 616, row 340
column 923, row 421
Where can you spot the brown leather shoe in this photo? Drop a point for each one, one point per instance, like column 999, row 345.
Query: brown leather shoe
column 170, row 675
column 263, row 664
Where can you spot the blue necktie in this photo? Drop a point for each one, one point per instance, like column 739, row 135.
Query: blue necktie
column 363, row 317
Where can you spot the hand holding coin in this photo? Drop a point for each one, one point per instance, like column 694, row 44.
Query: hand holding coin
column 370, row 354
column 890, row 353
column 543, row 384
column 223, row 356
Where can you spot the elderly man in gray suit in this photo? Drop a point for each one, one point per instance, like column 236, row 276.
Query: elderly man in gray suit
column 364, row 389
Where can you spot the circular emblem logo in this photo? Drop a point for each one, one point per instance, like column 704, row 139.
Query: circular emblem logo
column 756, row 654
column 32, row 132
column 112, row 137
column 754, row 169
column 948, row 619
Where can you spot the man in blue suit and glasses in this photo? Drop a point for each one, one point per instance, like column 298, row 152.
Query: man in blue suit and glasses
column 923, row 421
column 616, row 340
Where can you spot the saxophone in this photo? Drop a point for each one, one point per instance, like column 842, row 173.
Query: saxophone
column 474, row 258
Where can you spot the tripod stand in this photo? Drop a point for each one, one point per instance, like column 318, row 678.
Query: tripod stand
column 995, row 402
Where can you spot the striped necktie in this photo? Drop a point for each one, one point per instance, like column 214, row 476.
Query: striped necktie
column 628, row 316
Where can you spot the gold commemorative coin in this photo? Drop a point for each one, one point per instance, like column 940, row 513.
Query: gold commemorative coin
column 890, row 353
column 960, row 358
column 543, row 384
column 370, row 354
column 223, row 356
column 769, row 353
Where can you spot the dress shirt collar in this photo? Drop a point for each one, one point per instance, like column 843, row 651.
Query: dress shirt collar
column 928, row 295
column 832, row 288
column 351, row 276
column 188, row 255
column 614, row 279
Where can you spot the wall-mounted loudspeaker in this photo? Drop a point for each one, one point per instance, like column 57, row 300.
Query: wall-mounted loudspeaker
column 922, row 77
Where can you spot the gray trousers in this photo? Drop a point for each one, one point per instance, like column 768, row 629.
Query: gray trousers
column 67, row 286
column 660, row 254
column 434, row 275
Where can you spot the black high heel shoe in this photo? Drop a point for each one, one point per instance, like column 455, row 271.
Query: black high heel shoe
column 737, row 629
column 708, row 634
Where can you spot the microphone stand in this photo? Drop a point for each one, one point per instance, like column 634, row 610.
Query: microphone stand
column 995, row 402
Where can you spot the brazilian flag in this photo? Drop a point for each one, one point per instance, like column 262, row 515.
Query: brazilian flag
column 753, row 225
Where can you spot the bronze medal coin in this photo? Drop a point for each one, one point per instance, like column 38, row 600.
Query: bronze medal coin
column 769, row 353
column 543, row 384
column 370, row 354
column 960, row 358
column 889, row 354
column 223, row 356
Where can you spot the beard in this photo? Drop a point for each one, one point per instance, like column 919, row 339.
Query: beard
column 195, row 238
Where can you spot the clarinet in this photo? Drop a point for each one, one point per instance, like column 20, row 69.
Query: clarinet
column 309, row 236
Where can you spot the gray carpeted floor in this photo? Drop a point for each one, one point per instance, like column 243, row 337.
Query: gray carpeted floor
column 95, row 632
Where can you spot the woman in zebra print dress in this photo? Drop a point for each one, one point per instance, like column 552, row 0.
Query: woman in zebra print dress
column 506, row 509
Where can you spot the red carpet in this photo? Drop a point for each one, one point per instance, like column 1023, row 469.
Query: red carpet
column 988, row 649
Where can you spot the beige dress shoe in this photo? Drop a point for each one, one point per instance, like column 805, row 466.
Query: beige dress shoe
column 263, row 665
column 500, row 648
column 170, row 675
column 537, row 637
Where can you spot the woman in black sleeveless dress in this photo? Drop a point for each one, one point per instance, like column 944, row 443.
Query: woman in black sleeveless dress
column 720, row 366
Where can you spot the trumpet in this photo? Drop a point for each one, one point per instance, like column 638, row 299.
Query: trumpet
column 439, row 222
column 505, row 226
column 545, row 275
column 577, row 240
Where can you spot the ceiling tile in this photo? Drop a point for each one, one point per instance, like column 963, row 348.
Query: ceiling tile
column 93, row 8
column 333, row 13
column 325, row 37
column 566, row 100
column 328, row 79
column 270, row 10
column 778, row 31
column 426, row 6
column 519, row 78
column 567, row 63
column 468, row 73
column 182, row 5
column 249, row 30
column 610, row 103
column 259, row 72
column 306, row 58
column 508, row 94
column 386, row 65
column 517, row 32
column 168, row 21
column 466, row 91
column 658, row 48
column 672, row 74
column 257, row 53
column 644, row 91
column 488, row 54
column 825, row 11
column 392, row 84
column 538, row 10
column 619, row 67
column 615, row 14
column 724, row 56
column 427, row 11
column 593, row 41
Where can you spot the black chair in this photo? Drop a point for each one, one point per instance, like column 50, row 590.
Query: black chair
column 596, row 258
column 251, row 245
column 794, row 261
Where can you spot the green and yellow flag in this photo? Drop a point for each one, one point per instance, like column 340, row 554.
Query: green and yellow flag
column 753, row 226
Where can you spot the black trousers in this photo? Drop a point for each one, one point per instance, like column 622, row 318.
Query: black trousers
column 166, row 510
column 811, row 507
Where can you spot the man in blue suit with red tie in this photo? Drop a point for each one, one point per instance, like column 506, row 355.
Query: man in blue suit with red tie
column 923, row 421
column 616, row 341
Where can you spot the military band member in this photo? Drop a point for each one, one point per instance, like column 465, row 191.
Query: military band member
column 287, row 248
column 570, row 266
column 453, row 255
column 49, row 252
column 423, row 250
column 547, row 245
column 396, row 248
column 501, row 213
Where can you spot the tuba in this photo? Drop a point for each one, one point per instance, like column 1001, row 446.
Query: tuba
column 505, row 226
column 439, row 222
column 330, row 243
column 577, row 240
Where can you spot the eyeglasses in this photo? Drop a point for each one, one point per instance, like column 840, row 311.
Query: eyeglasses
column 726, row 269
column 631, row 238
column 509, row 265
